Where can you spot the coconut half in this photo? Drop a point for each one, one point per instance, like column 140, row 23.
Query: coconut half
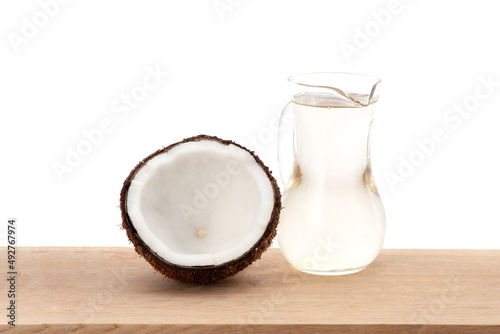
column 200, row 210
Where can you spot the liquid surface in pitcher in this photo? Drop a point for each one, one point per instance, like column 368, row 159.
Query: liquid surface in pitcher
column 333, row 220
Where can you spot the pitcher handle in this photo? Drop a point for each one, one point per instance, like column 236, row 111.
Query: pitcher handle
column 286, row 144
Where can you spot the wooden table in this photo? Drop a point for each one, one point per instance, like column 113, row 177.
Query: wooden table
column 113, row 290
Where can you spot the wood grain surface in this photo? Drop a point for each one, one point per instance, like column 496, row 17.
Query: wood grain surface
column 113, row 290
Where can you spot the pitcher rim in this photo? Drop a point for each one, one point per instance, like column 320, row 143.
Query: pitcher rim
column 291, row 78
column 375, row 82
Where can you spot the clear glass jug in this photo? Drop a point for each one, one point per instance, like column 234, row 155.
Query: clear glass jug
column 333, row 220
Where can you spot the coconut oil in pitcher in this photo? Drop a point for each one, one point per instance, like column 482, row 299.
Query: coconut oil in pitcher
column 332, row 220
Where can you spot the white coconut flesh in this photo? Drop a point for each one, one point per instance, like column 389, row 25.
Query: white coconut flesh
column 201, row 203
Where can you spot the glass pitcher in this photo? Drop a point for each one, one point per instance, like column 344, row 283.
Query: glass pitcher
column 333, row 220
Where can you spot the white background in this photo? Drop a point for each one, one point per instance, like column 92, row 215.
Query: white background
column 227, row 77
